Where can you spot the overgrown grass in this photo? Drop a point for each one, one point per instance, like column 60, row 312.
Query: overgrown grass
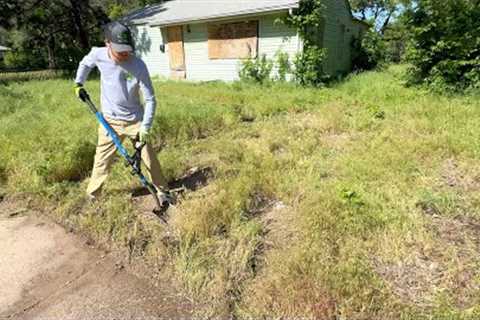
column 357, row 201
column 7, row 77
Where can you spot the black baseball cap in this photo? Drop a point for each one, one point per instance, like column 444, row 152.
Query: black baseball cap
column 120, row 36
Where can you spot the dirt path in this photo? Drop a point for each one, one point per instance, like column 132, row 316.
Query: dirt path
column 47, row 273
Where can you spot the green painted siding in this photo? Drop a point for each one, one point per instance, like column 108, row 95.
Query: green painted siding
column 335, row 35
column 272, row 37
column 147, row 46
column 338, row 33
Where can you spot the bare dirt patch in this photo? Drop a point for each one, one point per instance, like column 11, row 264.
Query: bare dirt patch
column 46, row 272
column 446, row 264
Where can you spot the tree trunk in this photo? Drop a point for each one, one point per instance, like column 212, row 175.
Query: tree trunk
column 386, row 22
column 77, row 19
column 52, row 62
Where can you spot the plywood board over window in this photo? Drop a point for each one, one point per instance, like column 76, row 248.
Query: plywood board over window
column 237, row 40
column 176, row 52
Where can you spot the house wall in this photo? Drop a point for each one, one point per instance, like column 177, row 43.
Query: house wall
column 335, row 35
column 147, row 46
column 339, row 30
column 272, row 37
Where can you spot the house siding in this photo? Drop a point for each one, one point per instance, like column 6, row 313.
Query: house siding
column 147, row 46
column 272, row 38
column 335, row 35
column 339, row 30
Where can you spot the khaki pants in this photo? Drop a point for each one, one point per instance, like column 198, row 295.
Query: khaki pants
column 106, row 150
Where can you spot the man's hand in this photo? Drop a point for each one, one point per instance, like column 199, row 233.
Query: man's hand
column 78, row 90
column 144, row 135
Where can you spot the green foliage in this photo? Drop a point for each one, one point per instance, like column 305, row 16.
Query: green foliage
column 386, row 39
column 396, row 37
column 116, row 11
column 445, row 44
column 370, row 51
column 51, row 34
column 379, row 13
column 308, row 64
column 260, row 70
column 256, row 70
column 33, row 75
column 351, row 198
column 309, row 14
column 284, row 67
column 13, row 59
column 72, row 163
column 308, row 69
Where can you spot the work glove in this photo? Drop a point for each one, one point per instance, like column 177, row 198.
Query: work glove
column 144, row 135
column 78, row 89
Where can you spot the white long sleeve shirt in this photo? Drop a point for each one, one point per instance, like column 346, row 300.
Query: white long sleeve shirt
column 120, row 86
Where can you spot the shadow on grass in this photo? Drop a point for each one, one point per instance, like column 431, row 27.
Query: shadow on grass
column 192, row 180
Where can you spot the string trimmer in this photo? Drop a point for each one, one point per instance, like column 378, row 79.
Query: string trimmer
column 134, row 161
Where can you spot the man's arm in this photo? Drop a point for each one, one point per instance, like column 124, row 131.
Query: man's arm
column 86, row 65
column 148, row 97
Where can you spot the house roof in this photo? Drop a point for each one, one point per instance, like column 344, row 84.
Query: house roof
column 183, row 11
column 362, row 22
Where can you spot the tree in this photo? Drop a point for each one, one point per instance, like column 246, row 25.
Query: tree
column 445, row 48
column 385, row 42
column 379, row 13
column 57, row 33
column 59, row 30
column 118, row 8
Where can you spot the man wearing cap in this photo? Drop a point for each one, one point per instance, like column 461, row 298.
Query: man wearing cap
column 122, row 76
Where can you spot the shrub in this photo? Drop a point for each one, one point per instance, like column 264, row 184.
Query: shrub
column 283, row 66
column 309, row 67
column 256, row 70
column 309, row 63
column 370, row 51
column 15, row 59
column 445, row 45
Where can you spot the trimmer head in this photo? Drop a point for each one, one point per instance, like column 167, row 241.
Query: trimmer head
column 161, row 213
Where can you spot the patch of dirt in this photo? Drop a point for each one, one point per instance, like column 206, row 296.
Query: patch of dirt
column 428, row 208
column 279, row 227
column 454, row 176
column 49, row 273
column 194, row 179
column 260, row 203
column 451, row 265
column 448, row 262
column 336, row 141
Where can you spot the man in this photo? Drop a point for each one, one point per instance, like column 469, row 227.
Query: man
column 122, row 76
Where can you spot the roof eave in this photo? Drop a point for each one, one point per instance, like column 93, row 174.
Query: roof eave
column 366, row 24
column 243, row 13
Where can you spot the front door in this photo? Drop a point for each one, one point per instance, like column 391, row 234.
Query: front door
column 176, row 52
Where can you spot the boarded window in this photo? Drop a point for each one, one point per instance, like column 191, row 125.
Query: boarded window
column 233, row 40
